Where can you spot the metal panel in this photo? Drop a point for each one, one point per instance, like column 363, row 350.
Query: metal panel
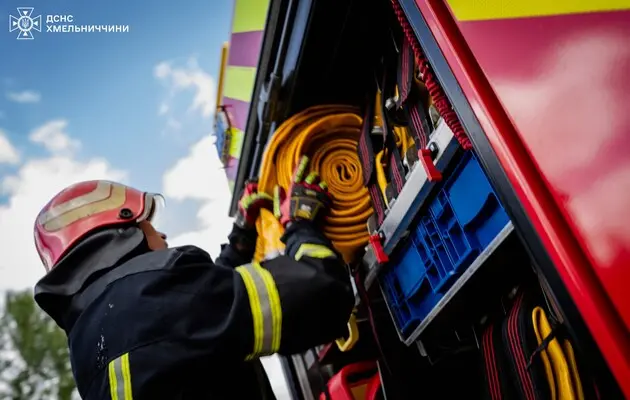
column 302, row 376
column 291, row 377
column 403, row 210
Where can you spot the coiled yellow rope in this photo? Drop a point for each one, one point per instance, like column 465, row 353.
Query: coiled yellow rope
column 329, row 135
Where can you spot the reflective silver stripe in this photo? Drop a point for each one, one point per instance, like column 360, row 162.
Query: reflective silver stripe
column 265, row 308
column 120, row 379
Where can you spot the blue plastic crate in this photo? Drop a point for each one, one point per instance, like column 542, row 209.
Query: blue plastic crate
column 459, row 222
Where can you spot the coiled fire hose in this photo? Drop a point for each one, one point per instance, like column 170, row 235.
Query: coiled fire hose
column 329, row 135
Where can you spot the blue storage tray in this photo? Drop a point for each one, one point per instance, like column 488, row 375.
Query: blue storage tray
column 462, row 218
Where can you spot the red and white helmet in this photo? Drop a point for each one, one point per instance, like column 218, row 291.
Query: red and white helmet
column 84, row 208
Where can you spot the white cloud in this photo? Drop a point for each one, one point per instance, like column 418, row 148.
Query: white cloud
column 187, row 77
column 36, row 181
column 26, row 96
column 8, row 153
column 52, row 135
column 199, row 176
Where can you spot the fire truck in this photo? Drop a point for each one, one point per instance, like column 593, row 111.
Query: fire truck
column 479, row 157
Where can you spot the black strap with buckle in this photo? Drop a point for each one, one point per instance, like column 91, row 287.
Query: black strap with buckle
column 365, row 151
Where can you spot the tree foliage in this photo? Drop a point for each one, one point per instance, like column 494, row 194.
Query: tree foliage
column 34, row 360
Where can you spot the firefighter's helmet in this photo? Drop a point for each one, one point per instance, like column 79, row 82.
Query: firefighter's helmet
column 86, row 207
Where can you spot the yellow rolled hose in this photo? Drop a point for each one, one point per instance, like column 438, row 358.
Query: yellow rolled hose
column 329, row 135
column 558, row 360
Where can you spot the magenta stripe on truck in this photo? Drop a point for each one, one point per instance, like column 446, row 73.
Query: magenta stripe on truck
column 238, row 110
column 231, row 168
column 245, row 48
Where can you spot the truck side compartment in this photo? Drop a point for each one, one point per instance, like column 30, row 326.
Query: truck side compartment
column 458, row 294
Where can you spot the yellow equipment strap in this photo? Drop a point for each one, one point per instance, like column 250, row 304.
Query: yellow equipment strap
column 559, row 361
column 381, row 178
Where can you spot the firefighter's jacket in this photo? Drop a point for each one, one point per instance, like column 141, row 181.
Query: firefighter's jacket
column 173, row 324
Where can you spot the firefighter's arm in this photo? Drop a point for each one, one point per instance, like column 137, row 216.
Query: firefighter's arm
column 287, row 304
column 192, row 312
column 311, row 281
column 291, row 303
column 239, row 249
column 298, row 300
column 314, row 287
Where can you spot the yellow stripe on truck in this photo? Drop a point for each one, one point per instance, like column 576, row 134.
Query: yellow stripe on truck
column 249, row 15
column 239, row 83
column 236, row 143
column 479, row 10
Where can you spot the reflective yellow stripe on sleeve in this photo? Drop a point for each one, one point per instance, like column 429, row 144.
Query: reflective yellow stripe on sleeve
column 314, row 251
column 264, row 302
column 120, row 378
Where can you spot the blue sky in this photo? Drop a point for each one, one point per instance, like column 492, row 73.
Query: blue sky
column 104, row 88
column 135, row 107
column 103, row 83
column 132, row 106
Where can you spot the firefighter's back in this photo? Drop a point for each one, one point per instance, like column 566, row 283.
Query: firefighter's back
column 138, row 337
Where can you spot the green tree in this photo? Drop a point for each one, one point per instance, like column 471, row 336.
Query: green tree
column 34, row 361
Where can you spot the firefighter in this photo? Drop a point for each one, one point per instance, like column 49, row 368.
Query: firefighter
column 145, row 321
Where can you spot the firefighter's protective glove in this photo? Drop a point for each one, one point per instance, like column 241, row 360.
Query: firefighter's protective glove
column 250, row 204
column 306, row 199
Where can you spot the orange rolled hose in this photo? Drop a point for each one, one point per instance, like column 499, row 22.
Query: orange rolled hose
column 329, row 135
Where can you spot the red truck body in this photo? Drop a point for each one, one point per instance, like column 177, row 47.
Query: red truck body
column 551, row 94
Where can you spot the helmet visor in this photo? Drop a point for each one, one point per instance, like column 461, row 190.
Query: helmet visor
column 154, row 209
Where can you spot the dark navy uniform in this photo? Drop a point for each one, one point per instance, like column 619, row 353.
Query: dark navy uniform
column 172, row 324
